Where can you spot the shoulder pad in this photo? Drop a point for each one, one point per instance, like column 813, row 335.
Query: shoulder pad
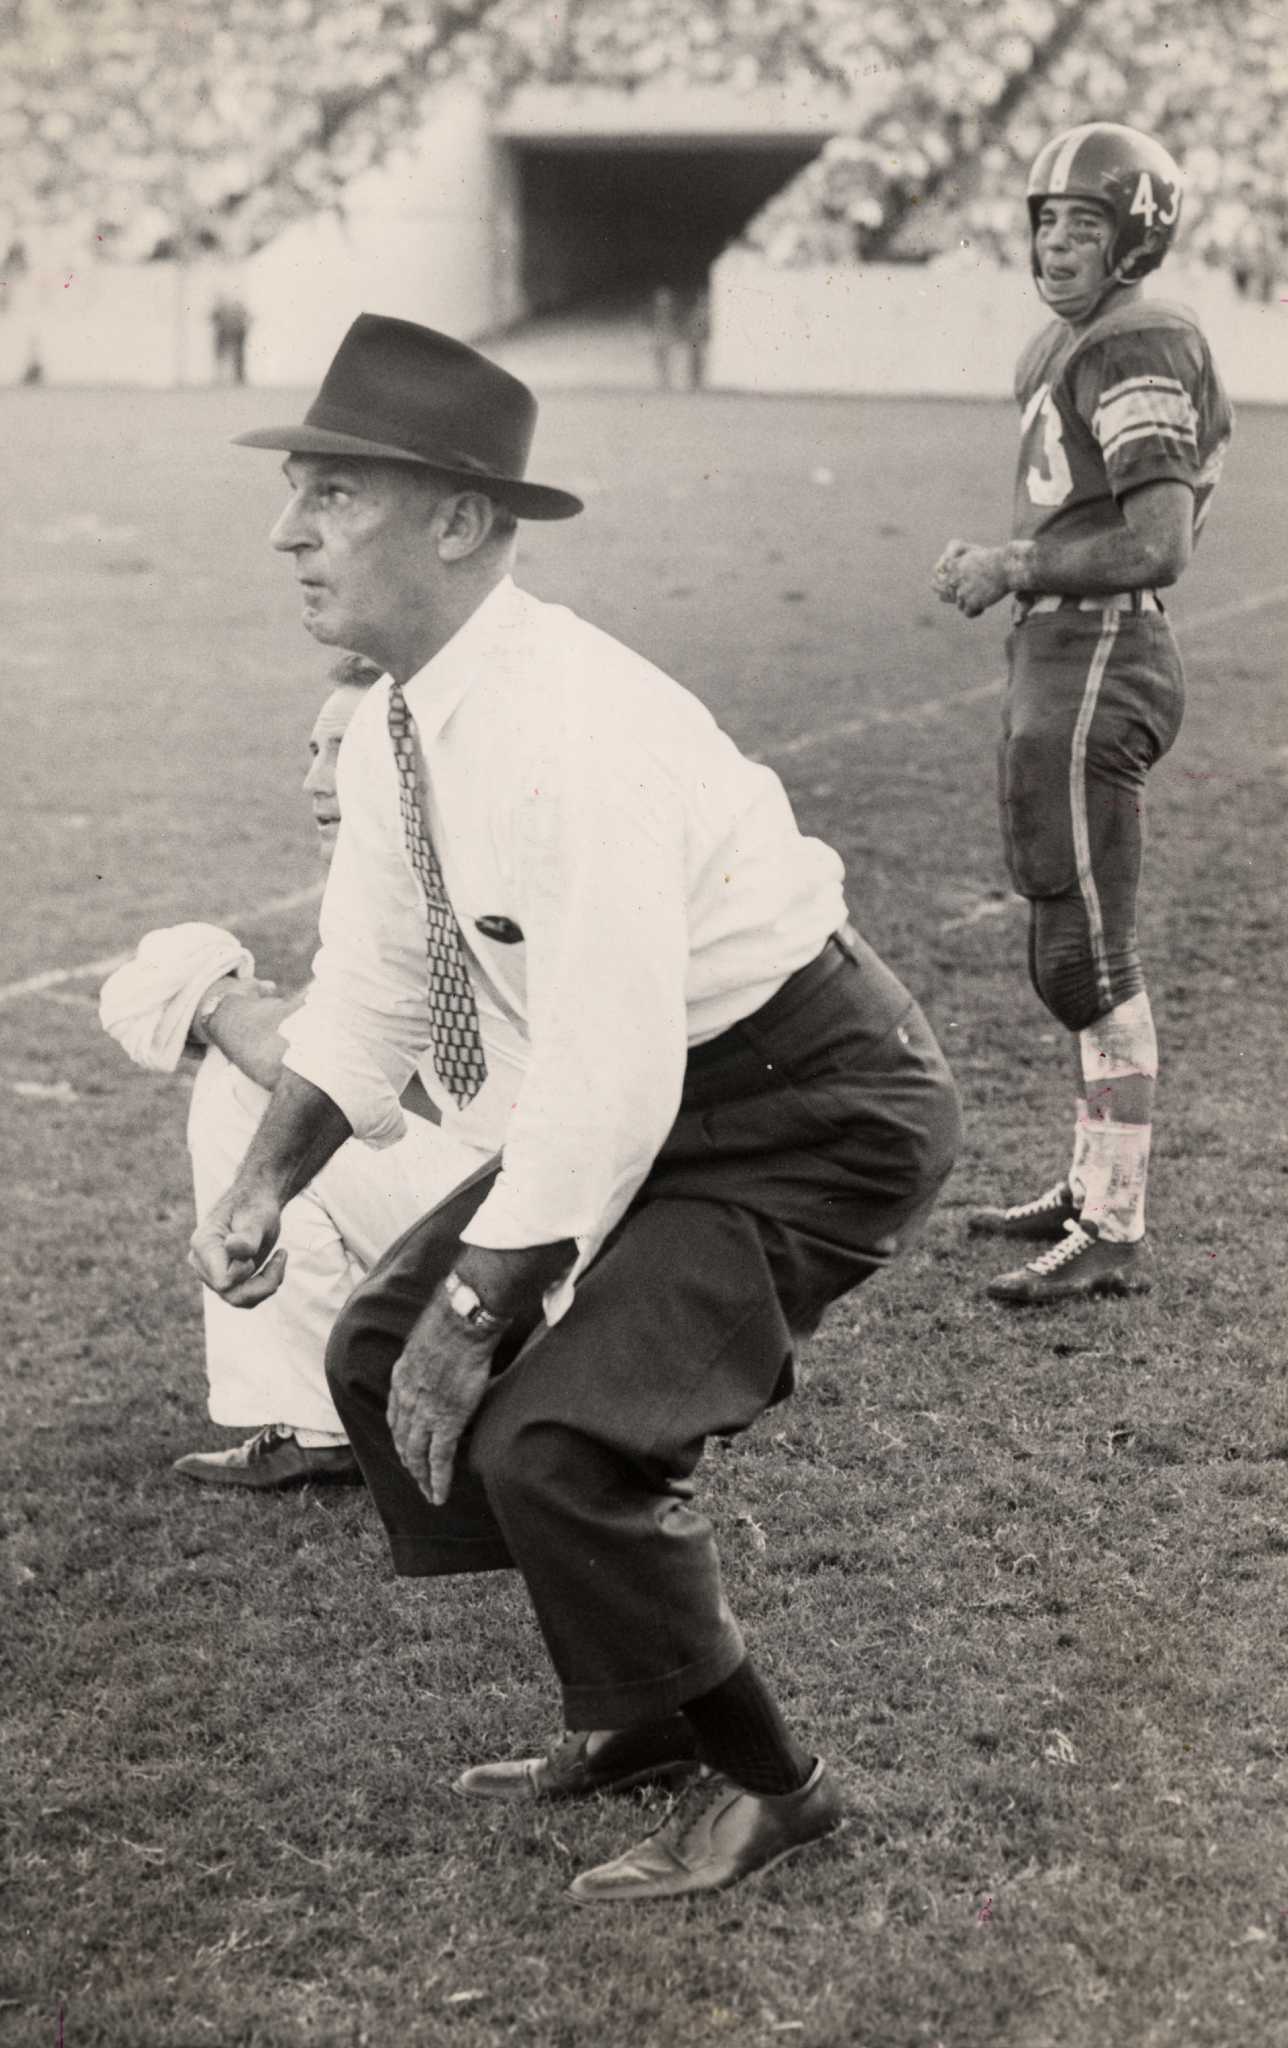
column 1139, row 317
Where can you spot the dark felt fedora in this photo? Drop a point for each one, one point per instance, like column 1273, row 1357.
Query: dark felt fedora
column 407, row 394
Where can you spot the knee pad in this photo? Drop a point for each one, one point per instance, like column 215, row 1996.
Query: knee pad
column 1120, row 1043
column 1062, row 963
column 1078, row 981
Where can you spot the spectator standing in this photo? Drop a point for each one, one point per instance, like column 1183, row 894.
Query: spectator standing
column 697, row 334
column 665, row 334
column 230, row 327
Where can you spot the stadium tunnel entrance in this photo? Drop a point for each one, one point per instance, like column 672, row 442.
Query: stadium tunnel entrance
column 608, row 220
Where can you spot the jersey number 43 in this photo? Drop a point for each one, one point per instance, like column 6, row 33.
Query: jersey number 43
column 1049, row 480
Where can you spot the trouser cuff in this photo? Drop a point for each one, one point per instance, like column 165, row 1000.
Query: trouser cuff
column 654, row 1699
column 443, row 1560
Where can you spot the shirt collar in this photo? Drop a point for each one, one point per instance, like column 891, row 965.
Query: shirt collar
column 435, row 690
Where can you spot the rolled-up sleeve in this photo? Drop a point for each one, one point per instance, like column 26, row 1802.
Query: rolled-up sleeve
column 602, row 856
column 365, row 1020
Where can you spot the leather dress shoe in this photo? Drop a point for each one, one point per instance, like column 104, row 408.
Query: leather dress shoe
column 585, row 1762
column 731, row 1835
column 270, row 1459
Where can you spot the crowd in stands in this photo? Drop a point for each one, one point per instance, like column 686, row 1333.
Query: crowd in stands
column 941, row 169
column 134, row 129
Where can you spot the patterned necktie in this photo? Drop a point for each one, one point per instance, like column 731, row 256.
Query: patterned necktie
column 456, row 1041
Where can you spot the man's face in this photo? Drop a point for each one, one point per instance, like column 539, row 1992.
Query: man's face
column 359, row 532
column 1072, row 249
column 329, row 728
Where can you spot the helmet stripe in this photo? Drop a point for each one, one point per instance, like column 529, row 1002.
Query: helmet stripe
column 1063, row 164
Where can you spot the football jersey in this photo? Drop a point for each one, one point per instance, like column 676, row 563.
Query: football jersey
column 1133, row 398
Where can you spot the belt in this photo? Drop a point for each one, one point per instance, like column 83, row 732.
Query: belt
column 1119, row 601
column 841, row 950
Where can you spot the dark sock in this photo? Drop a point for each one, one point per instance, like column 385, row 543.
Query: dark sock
column 741, row 1733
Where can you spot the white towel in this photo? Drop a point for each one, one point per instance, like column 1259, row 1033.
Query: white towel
column 147, row 1006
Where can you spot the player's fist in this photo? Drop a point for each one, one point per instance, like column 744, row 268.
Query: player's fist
column 971, row 577
column 943, row 577
column 233, row 1248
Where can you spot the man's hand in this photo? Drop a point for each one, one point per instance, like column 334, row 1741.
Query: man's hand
column 437, row 1385
column 970, row 576
column 232, row 1248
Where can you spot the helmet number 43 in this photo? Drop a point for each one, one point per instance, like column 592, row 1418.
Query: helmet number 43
column 1145, row 204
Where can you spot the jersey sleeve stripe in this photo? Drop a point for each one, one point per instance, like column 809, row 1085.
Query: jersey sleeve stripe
column 1143, row 383
column 1182, row 443
column 1145, row 411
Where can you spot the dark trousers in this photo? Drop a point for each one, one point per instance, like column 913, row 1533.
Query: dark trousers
column 811, row 1143
column 1094, row 700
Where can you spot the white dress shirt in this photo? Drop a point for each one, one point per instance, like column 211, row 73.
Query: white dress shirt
column 626, row 883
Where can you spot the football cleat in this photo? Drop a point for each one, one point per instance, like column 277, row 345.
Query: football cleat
column 1125, row 171
column 1080, row 1266
column 1044, row 1217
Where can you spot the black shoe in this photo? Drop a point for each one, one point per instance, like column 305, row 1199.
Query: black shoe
column 1080, row 1266
column 1044, row 1217
column 732, row 1835
column 611, row 1760
column 270, row 1459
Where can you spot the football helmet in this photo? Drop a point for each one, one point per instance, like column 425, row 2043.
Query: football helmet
column 1125, row 170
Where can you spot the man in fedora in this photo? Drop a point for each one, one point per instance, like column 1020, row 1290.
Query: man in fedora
column 730, row 1111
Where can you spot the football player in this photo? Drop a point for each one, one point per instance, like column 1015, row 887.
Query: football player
column 1123, row 427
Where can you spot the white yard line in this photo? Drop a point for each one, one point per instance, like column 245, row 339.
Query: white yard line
column 924, row 713
column 55, row 977
column 932, row 708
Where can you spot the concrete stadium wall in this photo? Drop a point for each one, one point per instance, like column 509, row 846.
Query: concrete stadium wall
column 110, row 323
column 940, row 329
column 431, row 235
column 436, row 233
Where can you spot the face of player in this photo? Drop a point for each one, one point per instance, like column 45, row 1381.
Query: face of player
column 362, row 536
column 1071, row 247
column 329, row 729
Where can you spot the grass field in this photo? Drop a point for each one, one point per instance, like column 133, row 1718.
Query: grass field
column 1022, row 1580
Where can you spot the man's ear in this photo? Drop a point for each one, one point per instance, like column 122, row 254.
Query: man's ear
column 465, row 521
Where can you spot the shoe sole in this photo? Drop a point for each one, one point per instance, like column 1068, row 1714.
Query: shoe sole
column 711, row 1891
column 1114, row 1287
column 523, row 1794
column 268, row 1485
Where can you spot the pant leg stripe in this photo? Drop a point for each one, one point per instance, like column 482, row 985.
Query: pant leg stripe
column 1078, row 805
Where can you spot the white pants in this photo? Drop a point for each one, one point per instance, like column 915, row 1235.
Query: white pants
column 266, row 1364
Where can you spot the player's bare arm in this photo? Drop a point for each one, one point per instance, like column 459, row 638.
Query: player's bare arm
column 246, row 1028
column 232, row 1249
column 1150, row 551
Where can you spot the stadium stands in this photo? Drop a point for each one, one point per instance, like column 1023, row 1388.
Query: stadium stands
column 134, row 130
column 1210, row 79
